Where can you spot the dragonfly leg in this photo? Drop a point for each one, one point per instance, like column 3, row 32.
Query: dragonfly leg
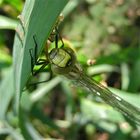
column 57, row 37
column 36, row 83
column 36, row 61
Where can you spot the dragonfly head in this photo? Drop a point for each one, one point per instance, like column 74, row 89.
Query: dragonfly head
column 62, row 60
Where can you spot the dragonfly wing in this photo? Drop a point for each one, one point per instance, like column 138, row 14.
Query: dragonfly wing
column 110, row 98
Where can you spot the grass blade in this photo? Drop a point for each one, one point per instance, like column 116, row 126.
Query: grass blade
column 41, row 17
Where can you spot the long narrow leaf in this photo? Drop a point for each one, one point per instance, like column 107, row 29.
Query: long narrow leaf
column 6, row 92
column 38, row 19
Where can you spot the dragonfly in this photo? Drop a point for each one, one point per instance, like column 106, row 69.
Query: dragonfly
column 63, row 61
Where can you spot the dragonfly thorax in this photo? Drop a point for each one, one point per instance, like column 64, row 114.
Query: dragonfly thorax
column 62, row 59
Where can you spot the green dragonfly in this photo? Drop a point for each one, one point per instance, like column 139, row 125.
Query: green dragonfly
column 63, row 61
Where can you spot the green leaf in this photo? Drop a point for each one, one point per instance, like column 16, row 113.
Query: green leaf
column 97, row 112
column 128, row 96
column 6, row 92
column 43, row 90
column 38, row 18
column 7, row 23
column 27, row 130
column 92, row 70
column 17, row 4
column 125, row 76
column 5, row 59
column 8, row 130
column 134, row 85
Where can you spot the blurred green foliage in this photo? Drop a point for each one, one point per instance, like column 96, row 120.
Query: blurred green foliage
column 103, row 30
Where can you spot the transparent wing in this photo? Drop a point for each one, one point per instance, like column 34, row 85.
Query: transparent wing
column 115, row 101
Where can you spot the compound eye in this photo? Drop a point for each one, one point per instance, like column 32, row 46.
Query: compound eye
column 53, row 53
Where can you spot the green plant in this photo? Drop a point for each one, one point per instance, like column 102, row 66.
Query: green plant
column 101, row 30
